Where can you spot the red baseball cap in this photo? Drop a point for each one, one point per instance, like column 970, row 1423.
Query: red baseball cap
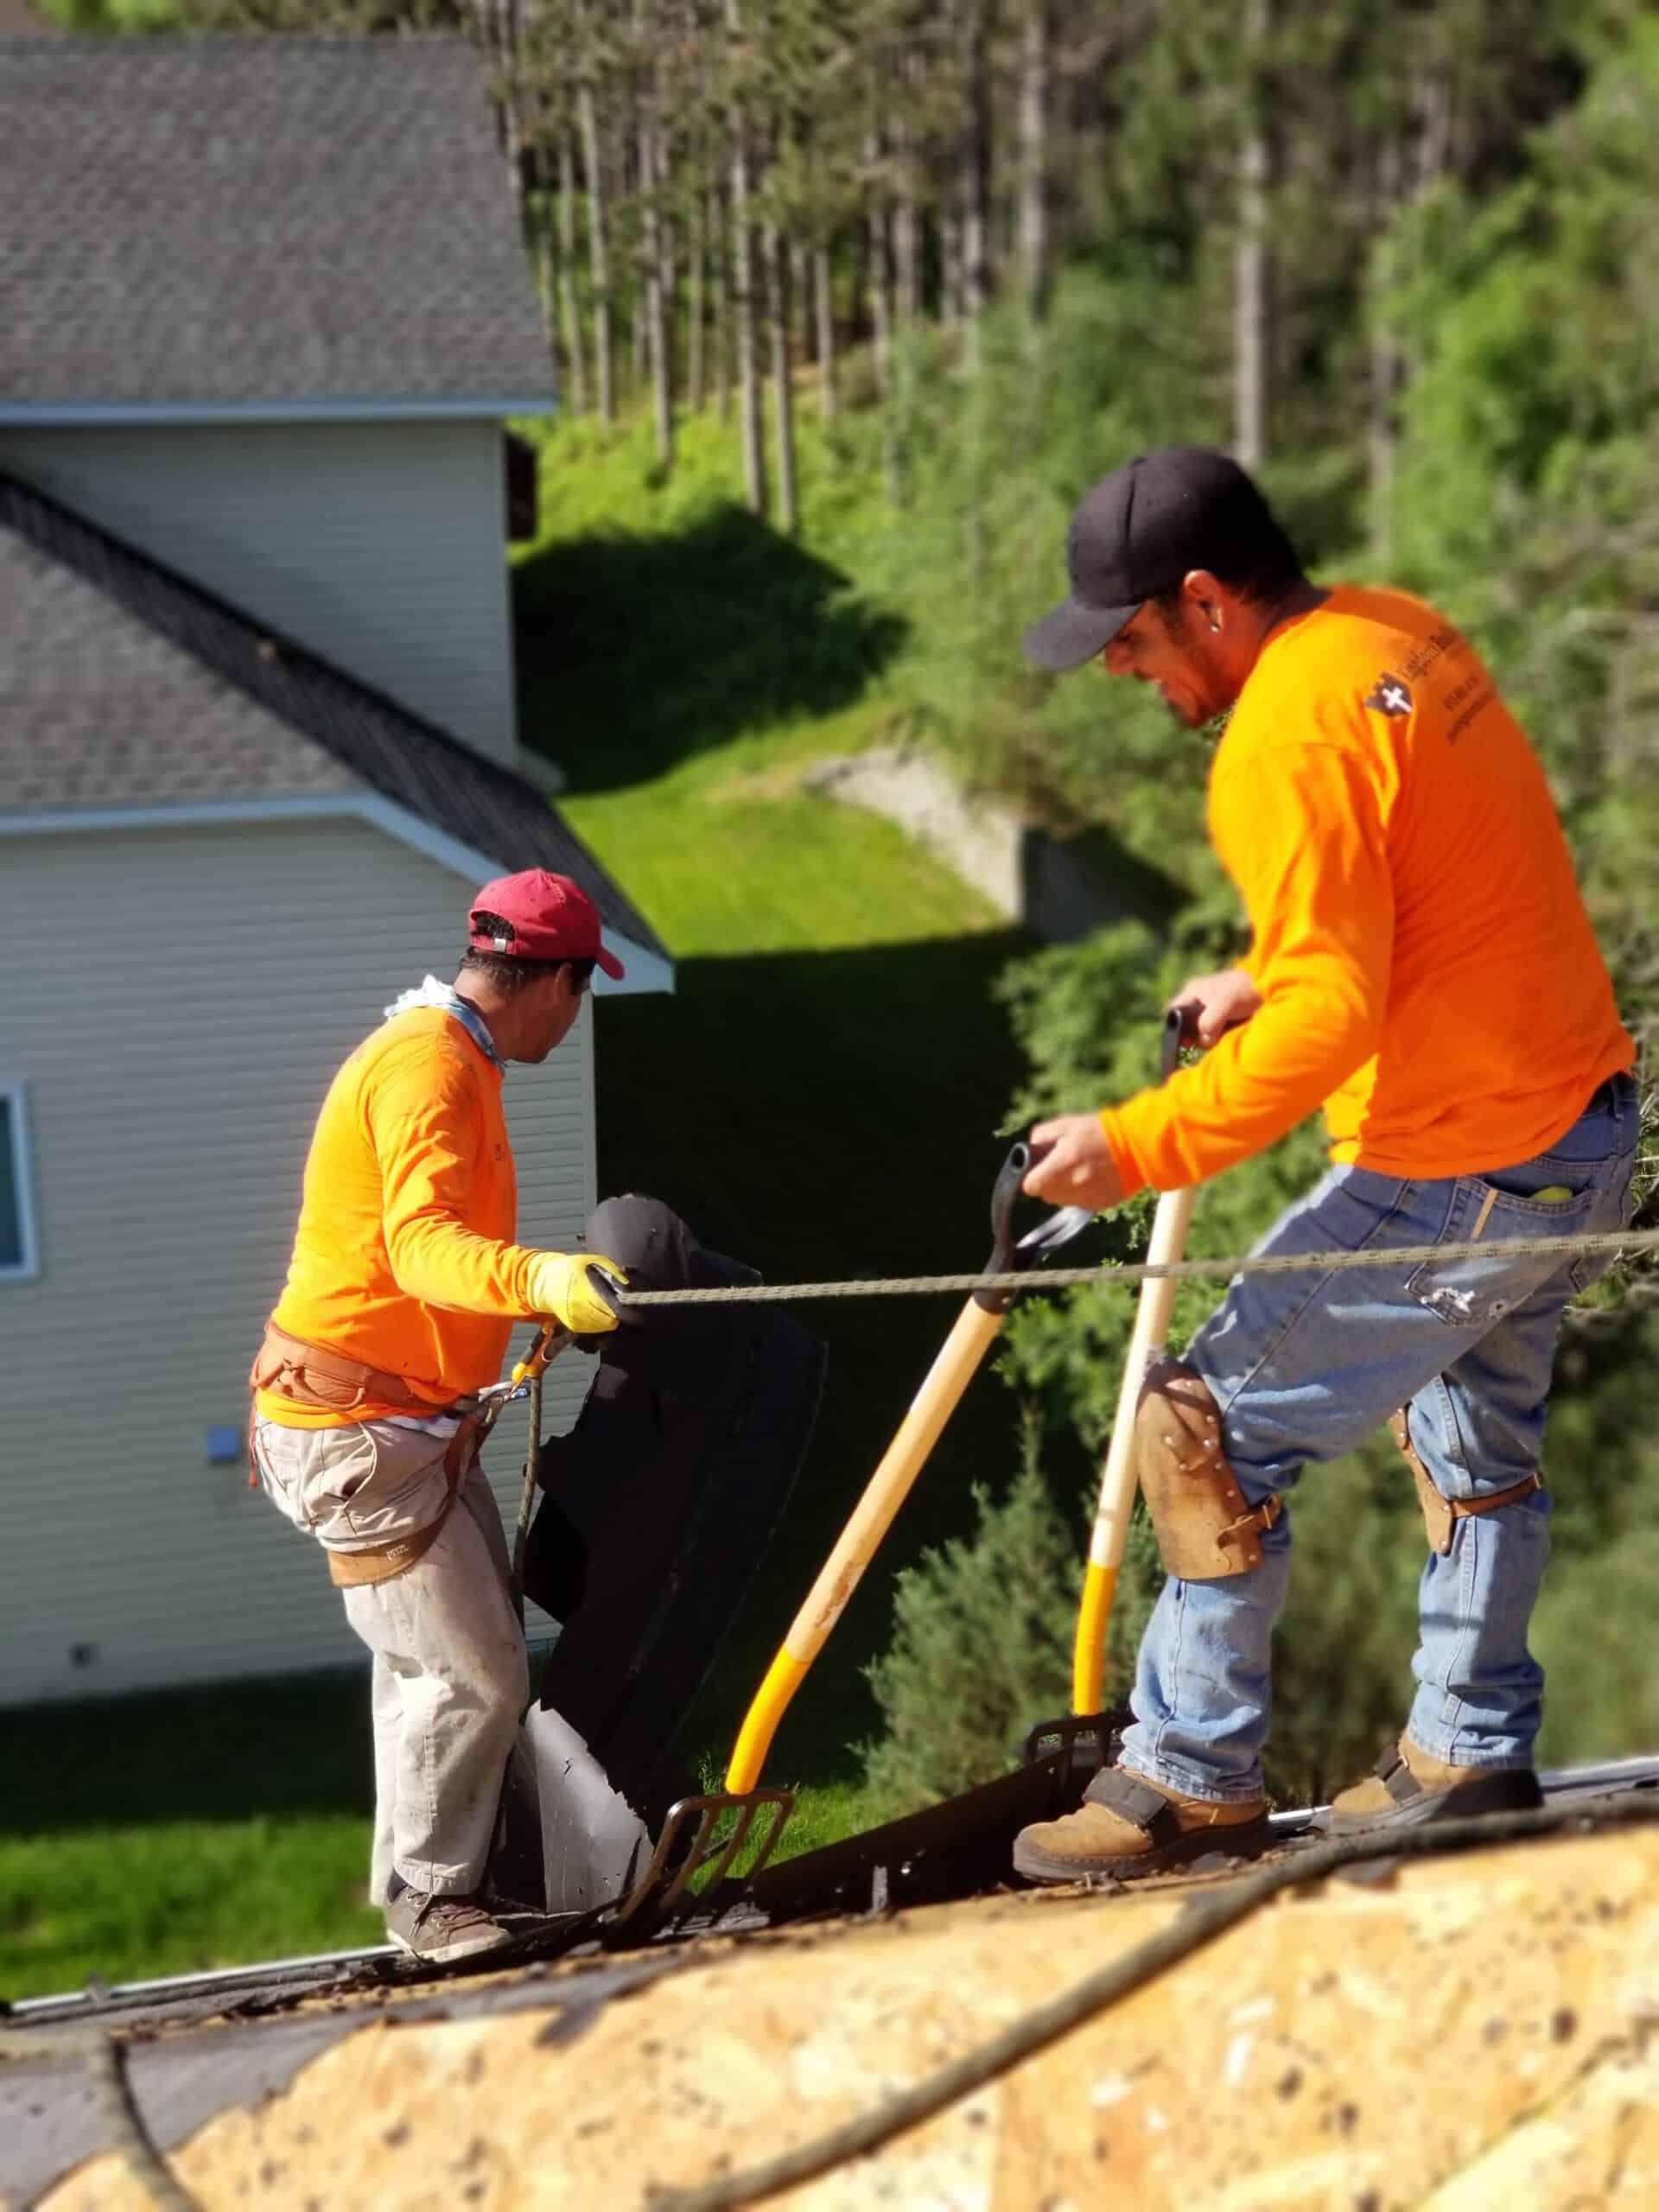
column 547, row 918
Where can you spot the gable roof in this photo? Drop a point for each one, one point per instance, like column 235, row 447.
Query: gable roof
column 265, row 225
column 124, row 685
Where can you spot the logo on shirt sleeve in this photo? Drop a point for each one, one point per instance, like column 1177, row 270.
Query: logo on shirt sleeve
column 1390, row 694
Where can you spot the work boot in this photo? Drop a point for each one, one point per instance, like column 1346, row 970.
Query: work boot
column 1410, row 1786
column 441, row 1929
column 1127, row 1826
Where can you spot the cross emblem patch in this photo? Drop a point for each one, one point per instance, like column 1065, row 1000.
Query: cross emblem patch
column 1390, row 694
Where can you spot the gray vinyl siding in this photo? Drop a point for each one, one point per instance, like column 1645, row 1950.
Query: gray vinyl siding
column 381, row 545
column 184, row 999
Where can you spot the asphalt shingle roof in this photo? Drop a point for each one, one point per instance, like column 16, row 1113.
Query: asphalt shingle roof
column 278, row 220
column 122, row 683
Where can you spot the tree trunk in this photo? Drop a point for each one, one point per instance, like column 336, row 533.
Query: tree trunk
column 881, row 272
column 906, row 222
column 638, row 325
column 1252, row 258
column 575, row 351
column 598, row 254
column 751, row 427
column 975, row 170
column 1387, row 360
column 668, row 254
column 777, row 294
column 696, row 304
column 720, row 335
column 539, row 223
column 1035, row 274
column 653, row 292
column 823, row 303
column 499, row 27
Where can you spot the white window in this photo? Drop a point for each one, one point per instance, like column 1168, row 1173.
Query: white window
column 20, row 1258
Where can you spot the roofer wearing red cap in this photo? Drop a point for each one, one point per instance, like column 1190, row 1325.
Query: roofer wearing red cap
column 402, row 1293
column 1422, row 967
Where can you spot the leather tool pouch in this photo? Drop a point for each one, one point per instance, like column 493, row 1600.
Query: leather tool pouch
column 1441, row 1514
column 1205, row 1529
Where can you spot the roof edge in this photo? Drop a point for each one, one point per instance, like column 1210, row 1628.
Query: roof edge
column 648, row 971
column 313, row 671
column 91, row 414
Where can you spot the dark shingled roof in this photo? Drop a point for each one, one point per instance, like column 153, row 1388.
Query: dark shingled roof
column 124, row 683
column 287, row 221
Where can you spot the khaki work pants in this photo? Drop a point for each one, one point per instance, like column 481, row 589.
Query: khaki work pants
column 450, row 1679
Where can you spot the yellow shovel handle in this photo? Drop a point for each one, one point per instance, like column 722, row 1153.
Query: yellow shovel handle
column 871, row 1516
column 1111, row 1528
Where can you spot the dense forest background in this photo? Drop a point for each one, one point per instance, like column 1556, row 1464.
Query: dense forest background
column 935, row 268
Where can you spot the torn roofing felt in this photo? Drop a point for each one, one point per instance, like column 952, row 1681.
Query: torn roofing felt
column 662, row 1501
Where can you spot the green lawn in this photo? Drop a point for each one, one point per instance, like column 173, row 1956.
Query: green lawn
column 821, row 1095
column 154, row 1835
column 149, row 1835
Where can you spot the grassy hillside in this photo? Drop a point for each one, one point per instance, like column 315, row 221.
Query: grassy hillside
column 823, row 1093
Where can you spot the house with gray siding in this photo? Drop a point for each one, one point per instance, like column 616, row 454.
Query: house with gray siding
column 267, row 312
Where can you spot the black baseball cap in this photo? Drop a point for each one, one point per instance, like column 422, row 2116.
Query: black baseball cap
column 1138, row 532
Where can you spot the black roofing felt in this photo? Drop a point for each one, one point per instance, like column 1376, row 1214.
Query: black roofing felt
column 238, row 219
column 225, row 662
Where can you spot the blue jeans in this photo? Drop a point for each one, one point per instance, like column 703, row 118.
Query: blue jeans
column 1303, row 1367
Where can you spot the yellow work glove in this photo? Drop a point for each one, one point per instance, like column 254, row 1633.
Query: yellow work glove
column 567, row 1285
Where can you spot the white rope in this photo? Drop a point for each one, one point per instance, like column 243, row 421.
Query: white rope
column 1399, row 1256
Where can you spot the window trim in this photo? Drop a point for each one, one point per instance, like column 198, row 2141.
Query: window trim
column 28, row 1268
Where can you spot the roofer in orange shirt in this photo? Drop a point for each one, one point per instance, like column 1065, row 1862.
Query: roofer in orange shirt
column 401, row 1296
column 1422, row 967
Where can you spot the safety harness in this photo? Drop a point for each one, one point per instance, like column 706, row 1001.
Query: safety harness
column 331, row 1382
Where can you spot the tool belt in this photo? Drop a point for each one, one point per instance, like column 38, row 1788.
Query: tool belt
column 331, row 1382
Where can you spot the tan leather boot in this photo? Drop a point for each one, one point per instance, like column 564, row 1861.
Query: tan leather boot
column 1127, row 1826
column 1410, row 1786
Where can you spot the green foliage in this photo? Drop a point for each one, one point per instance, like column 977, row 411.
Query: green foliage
column 1523, row 294
column 981, row 1650
column 1603, row 1693
column 1530, row 493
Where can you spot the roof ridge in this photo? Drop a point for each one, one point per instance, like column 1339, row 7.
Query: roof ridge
column 360, row 727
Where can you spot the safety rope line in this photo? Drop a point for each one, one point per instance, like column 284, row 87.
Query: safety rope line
column 1272, row 1263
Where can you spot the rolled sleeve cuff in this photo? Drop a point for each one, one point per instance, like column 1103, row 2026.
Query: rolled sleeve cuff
column 1130, row 1174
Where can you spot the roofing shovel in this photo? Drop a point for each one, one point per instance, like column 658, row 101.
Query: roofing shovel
column 1087, row 1723
column 964, row 1845
column 694, row 1837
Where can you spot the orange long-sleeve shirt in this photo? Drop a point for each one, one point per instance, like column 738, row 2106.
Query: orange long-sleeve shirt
column 404, row 1257
column 1427, row 969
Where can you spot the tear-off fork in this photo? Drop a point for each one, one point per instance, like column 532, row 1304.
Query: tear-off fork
column 686, row 1844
